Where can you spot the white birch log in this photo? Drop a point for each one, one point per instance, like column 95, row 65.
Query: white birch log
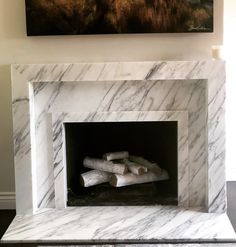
column 104, row 165
column 154, row 167
column 135, row 168
column 117, row 180
column 94, row 177
column 116, row 155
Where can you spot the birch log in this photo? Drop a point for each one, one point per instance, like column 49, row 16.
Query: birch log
column 135, row 168
column 117, row 180
column 104, row 165
column 116, row 155
column 154, row 167
column 94, row 177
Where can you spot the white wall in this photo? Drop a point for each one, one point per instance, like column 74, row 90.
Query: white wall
column 15, row 47
column 230, row 55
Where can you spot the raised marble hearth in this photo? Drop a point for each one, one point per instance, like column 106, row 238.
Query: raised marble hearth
column 47, row 96
column 120, row 224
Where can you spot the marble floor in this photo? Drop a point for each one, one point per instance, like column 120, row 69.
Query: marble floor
column 119, row 224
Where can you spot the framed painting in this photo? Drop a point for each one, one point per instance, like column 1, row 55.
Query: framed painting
column 80, row 17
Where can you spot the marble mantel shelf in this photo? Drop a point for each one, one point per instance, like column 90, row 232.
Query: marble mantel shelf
column 116, row 224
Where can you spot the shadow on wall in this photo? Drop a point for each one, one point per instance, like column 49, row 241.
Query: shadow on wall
column 6, row 139
column 10, row 11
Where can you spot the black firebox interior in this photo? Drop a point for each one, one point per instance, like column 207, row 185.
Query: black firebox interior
column 155, row 141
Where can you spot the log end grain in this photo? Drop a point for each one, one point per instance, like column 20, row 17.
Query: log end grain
column 126, row 170
column 113, row 181
column 81, row 180
column 141, row 171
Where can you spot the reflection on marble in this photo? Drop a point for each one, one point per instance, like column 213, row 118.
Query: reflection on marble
column 59, row 119
column 42, row 89
column 120, row 224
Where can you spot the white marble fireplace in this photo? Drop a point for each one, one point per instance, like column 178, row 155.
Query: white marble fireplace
column 46, row 96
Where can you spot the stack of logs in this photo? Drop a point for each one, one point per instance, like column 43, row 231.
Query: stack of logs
column 121, row 169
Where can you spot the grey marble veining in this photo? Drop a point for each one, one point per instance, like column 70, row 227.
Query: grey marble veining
column 41, row 90
column 120, row 224
column 122, row 96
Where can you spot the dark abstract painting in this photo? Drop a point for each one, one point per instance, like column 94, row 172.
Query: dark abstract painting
column 71, row 17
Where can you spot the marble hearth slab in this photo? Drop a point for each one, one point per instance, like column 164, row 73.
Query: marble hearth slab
column 119, row 224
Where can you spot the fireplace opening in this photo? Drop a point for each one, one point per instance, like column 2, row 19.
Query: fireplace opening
column 155, row 142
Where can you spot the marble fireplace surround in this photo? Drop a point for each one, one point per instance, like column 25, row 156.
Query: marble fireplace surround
column 42, row 90
column 45, row 96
